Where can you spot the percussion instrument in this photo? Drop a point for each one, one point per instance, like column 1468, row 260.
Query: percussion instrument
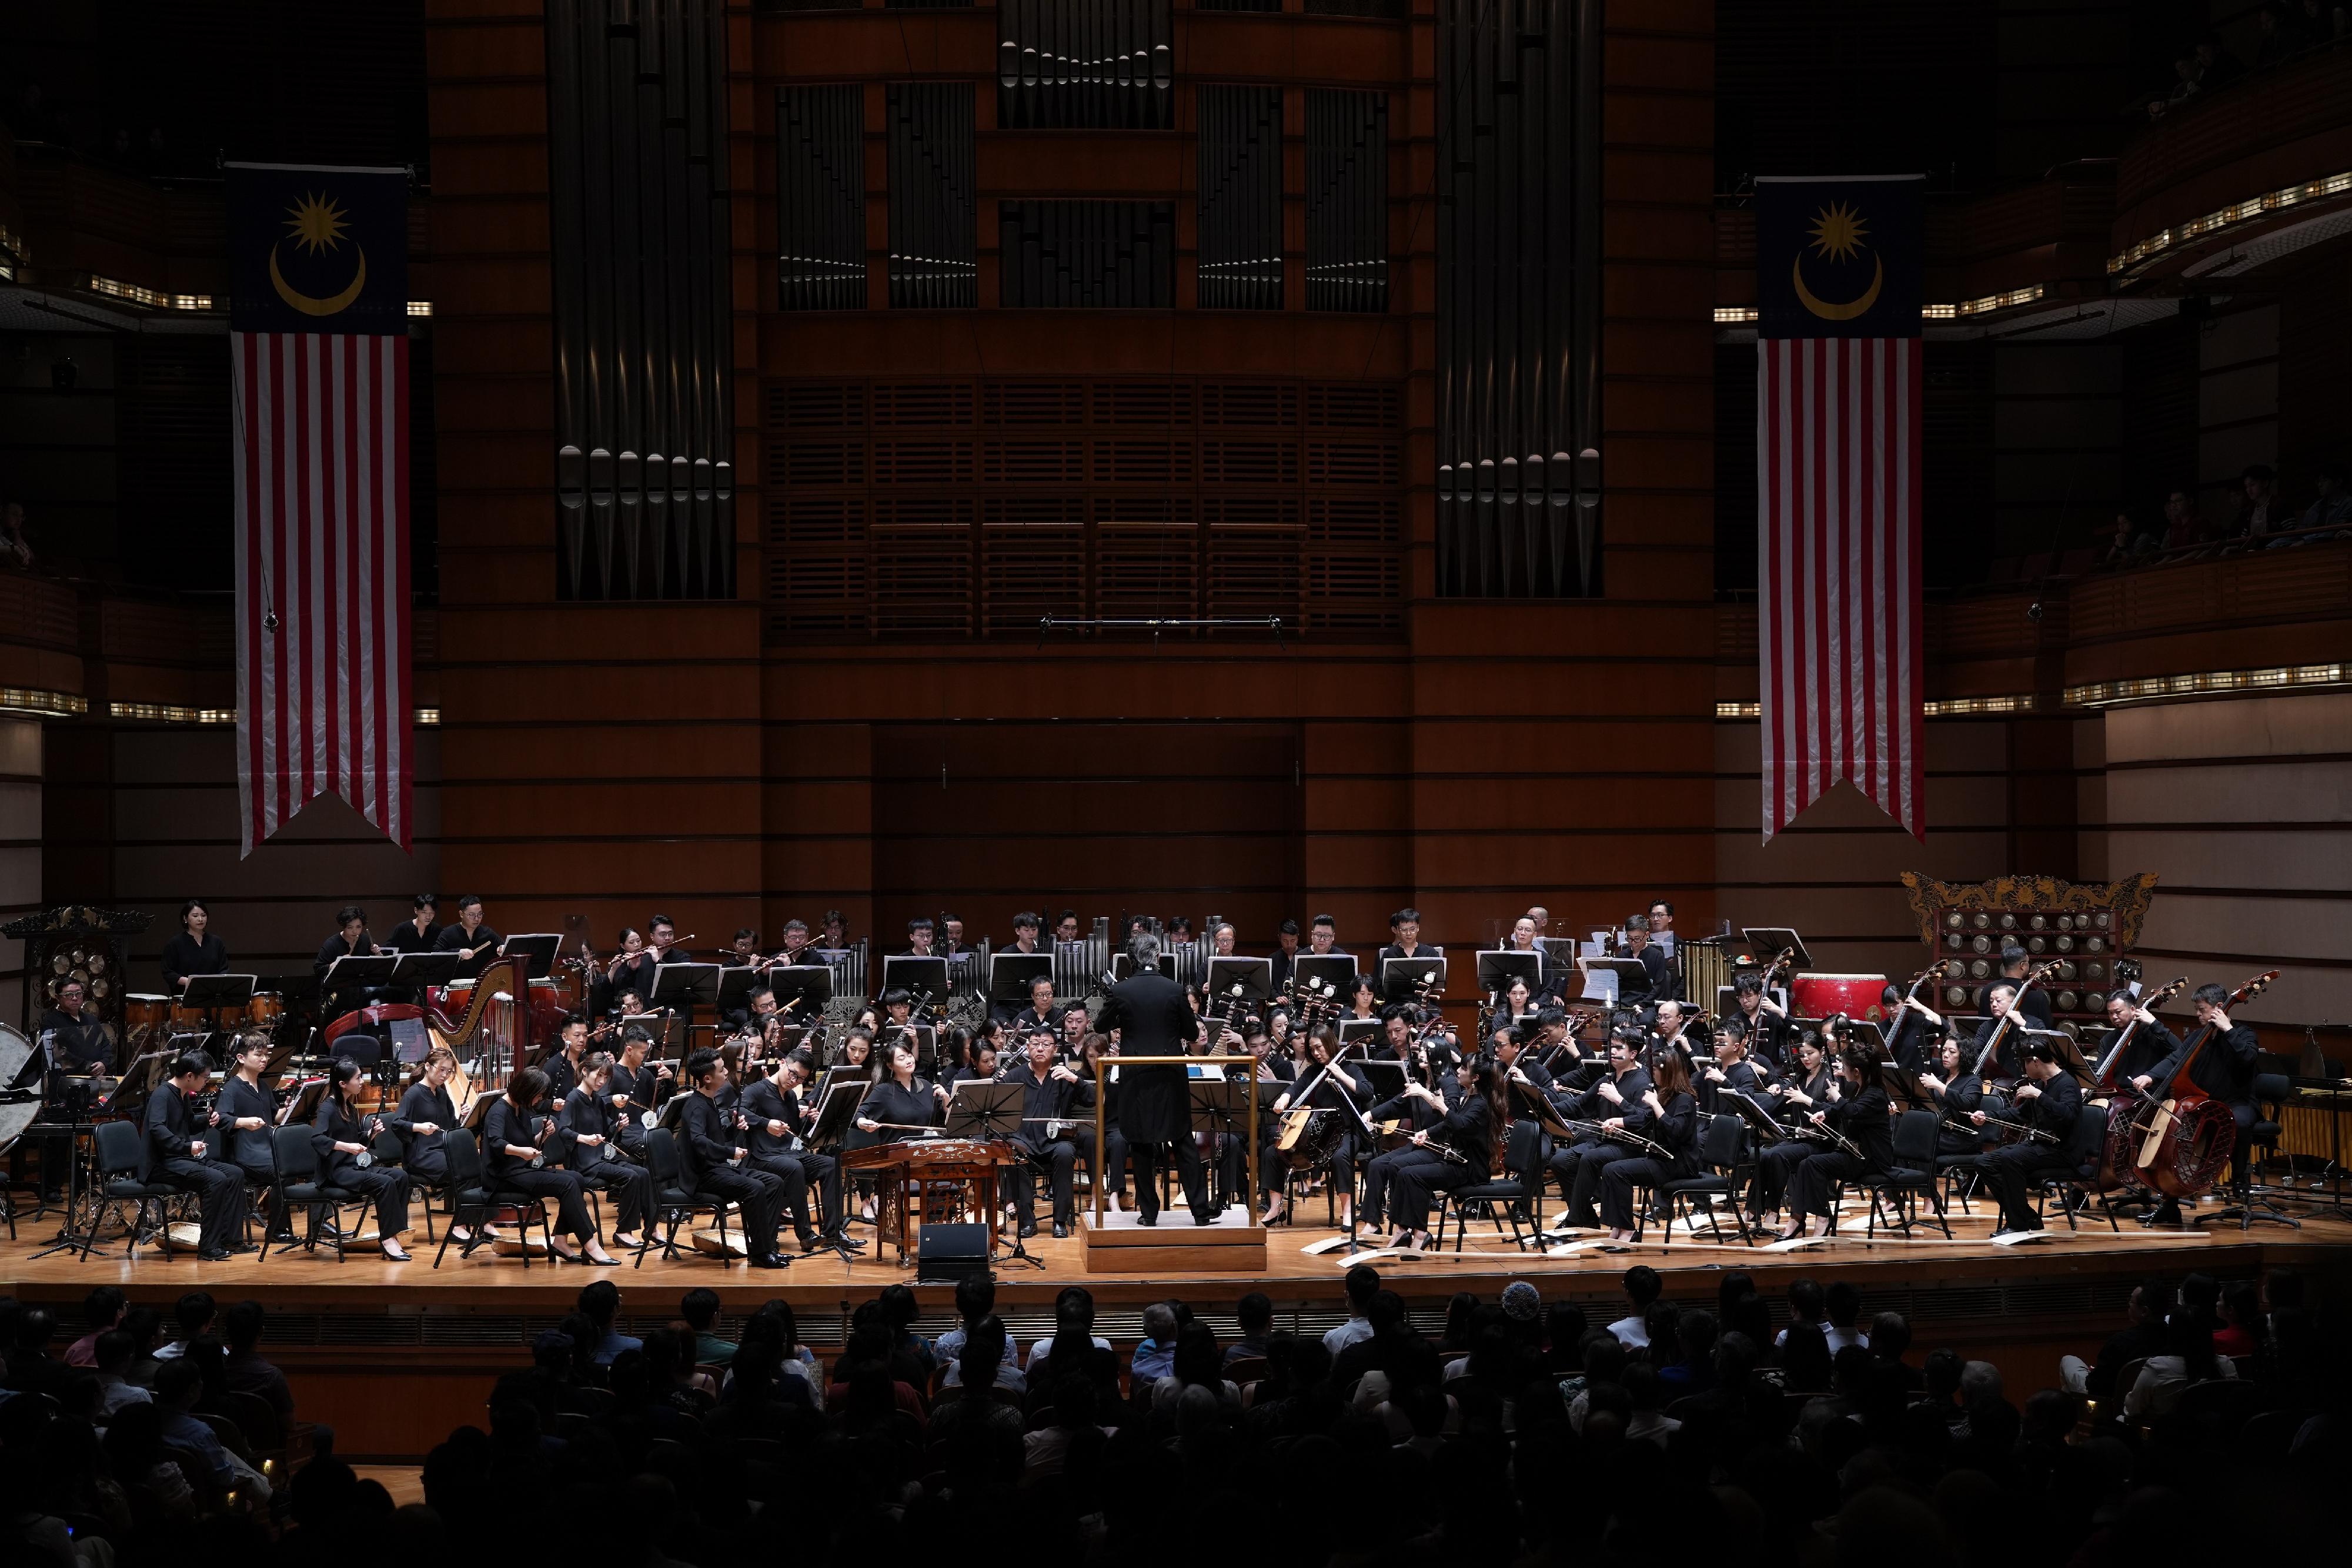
column 1817, row 995
column 265, row 1011
column 143, row 1013
column 1707, row 968
column 186, row 1019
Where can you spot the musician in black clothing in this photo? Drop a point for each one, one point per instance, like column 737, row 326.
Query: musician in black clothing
column 590, row 1130
column 79, row 1042
column 1404, row 940
column 771, row 1130
column 1412, row 1111
column 1285, row 961
column 1335, row 1093
column 194, row 951
column 2003, row 1063
column 2224, row 1068
column 1767, row 1022
column 1615, row 1101
column 515, row 1134
column 420, row 931
column 351, row 940
column 1732, row 1071
column 636, row 1089
column 819, row 1173
column 344, row 1142
column 2049, row 1101
column 1812, row 1085
column 903, row 1104
column 1052, row 1097
column 1959, row 1095
column 181, row 1152
column 1675, row 1030
column 471, row 939
column 1471, row 1130
column 1154, row 1019
column 1911, row 1027
column 715, row 1159
column 1659, row 984
column 2016, row 963
column 563, row 1065
column 632, row 969
column 425, row 1115
column 2149, row 1048
column 248, row 1118
column 1860, row 1117
column 1674, row 1122
column 1040, row 1010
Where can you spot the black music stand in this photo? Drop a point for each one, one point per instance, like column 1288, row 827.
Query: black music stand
column 1333, row 971
column 1498, row 967
column 1530, row 1102
column 811, row 984
column 1386, row 1074
column 1765, row 942
column 1253, row 975
column 683, row 986
column 1767, row 1131
column 1354, row 1029
column 1865, row 1032
column 1402, row 977
column 419, row 970
column 923, row 979
column 536, row 951
column 1559, row 956
column 354, row 972
column 922, row 1038
column 213, row 992
column 1903, row 1088
column 836, row 1109
column 1011, row 975
column 1625, row 969
column 736, row 984
column 1122, row 966
column 2069, row 1054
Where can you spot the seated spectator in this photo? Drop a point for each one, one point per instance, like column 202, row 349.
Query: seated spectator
column 1155, row 1354
column 194, row 1313
column 600, row 1304
column 975, row 1299
column 1195, row 1363
column 142, row 1325
column 101, row 1310
column 2188, row 1359
column 2220, row 67
column 2242, row 1329
column 2275, row 36
column 698, row 1310
column 1361, row 1282
column 2333, row 507
column 112, row 1359
column 32, row 1369
column 1642, row 1286
column 1047, row 1451
column 2125, row 544
column 1844, row 1305
column 246, row 1370
column 177, row 1387
column 1693, row 1369
column 1642, row 1389
column 975, row 1407
column 1073, row 1322
column 1805, row 1306
column 2183, row 526
column 1890, row 1336
column 1254, row 1315
column 2260, row 515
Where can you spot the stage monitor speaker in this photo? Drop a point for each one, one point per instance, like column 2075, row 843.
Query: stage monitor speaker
column 945, row 1253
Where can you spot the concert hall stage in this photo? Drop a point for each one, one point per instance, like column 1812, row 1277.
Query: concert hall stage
column 402, row 1353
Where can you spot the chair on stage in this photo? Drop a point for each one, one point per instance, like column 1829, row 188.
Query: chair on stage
column 2272, row 1090
column 1723, row 1150
column 673, row 1201
column 391, row 1147
column 2085, row 1146
column 299, row 1184
column 473, row 1194
column 1895, row 1193
column 121, row 1153
column 1522, row 1182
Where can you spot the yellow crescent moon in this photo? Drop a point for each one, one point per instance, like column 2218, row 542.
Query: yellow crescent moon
column 334, row 302
column 1846, row 312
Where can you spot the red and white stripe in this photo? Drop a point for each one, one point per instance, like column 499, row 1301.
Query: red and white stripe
column 322, row 434
column 1839, row 622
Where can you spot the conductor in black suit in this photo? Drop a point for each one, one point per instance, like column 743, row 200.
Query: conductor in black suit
column 1153, row 1018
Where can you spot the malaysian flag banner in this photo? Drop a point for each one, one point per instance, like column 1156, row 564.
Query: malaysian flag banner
column 319, row 356
column 1838, row 492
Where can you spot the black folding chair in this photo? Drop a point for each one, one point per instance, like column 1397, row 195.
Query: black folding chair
column 475, row 1199
column 2084, row 1148
column 299, row 1183
column 122, row 1154
column 1723, row 1149
column 673, row 1201
column 1522, row 1182
column 1895, row 1193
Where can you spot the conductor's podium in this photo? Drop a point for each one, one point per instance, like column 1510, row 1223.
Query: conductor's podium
column 1121, row 1244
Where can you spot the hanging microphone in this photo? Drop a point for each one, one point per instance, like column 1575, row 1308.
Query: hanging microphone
column 269, row 621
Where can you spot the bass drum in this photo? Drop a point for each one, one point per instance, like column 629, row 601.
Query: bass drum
column 1856, row 995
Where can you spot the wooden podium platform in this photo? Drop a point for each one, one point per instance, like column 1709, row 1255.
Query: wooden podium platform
column 1120, row 1244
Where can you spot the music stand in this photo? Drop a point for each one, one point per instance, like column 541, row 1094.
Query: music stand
column 1122, row 966
column 1011, row 976
column 836, row 1109
column 921, row 1038
column 1903, row 1088
column 536, row 951
column 1531, row 1100
column 1766, row 941
column 811, row 983
column 923, row 979
column 1218, row 1104
column 1402, row 977
column 305, row 1107
column 736, row 983
column 1498, row 967
column 213, row 992
column 1253, row 975
column 1865, row 1032
column 2062, row 1045
column 1559, row 956
column 419, row 970
column 1767, row 1131
column 352, row 972
column 664, row 1030
column 1354, row 1029
column 984, row 1109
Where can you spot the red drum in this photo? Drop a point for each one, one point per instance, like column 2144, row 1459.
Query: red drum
column 1856, row 995
column 373, row 1018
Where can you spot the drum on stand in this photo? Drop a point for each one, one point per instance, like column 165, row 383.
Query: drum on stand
column 1856, row 995
column 264, row 1012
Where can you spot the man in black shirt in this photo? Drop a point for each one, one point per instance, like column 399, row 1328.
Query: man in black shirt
column 563, row 1065
column 1041, row 1010
column 1658, row 984
column 180, row 1146
column 1025, row 933
column 471, row 939
column 1404, row 938
column 2050, row 1101
column 2150, row 1044
column 1154, row 1019
column 1286, row 955
column 1615, row 1099
column 714, row 1161
column 2034, row 1004
column 79, row 1042
column 2005, row 1062
column 2225, row 1069
column 1052, row 1098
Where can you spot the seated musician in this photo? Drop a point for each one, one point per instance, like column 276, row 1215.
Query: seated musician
column 1323, row 937
column 1065, row 927
column 920, row 933
column 897, row 1010
column 1362, row 998
column 1960, row 1096
column 1472, row 1129
column 1285, row 956
column 636, row 1089
column 2150, row 1046
column 1054, row 1098
column 1812, row 1085
column 770, row 1132
column 1766, row 1019
column 1337, row 1096
column 1515, row 1006
column 1658, row 975
column 78, row 1041
column 1912, row 1030
column 1095, row 1053
column 1041, row 1012
column 974, row 1057
column 1861, row 1117
column 515, row 1134
column 183, row 1150
column 1417, row 1108
column 744, row 950
column 1999, row 997
column 1615, row 1101
column 1731, row 1070
column 1521, row 1063
column 2016, row 963
column 2225, row 1069
column 194, row 951
column 473, row 941
column 630, row 971
column 1404, row 941
column 2050, row 1101
column 1523, row 937
column 563, row 1065
column 340, row 1135
column 901, row 1104
column 795, row 949
column 1674, row 1122
column 1675, row 1030
column 591, row 1134
column 248, row 1116
column 425, row 1115
column 822, row 1171
column 1026, row 926
column 1076, row 1026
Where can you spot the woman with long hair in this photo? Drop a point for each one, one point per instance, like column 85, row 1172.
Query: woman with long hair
column 1674, row 1122
column 1473, row 1129
column 515, row 1134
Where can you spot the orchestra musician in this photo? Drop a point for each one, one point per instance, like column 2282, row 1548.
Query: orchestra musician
column 1148, row 1012
column 770, row 1130
column 1999, row 997
column 1040, row 1012
column 836, row 926
column 339, row 1136
column 563, row 1065
column 1026, row 926
column 901, row 1103
column 1093, row 1051
column 1523, row 937
column 590, row 1130
column 1339, row 1093
column 1911, row 1029
column 1767, row 1022
column 1615, row 1101
column 1674, row 1122
column 744, row 950
column 1285, row 956
column 630, row 971
column 514, row 1138
column 425, row 1117
column 183, row 1150
column 778, row 1111
column 2225, row 1069
column 1065, row 927
column 1673, row 1031
column 2016, row 963
column 1860, row 1116
column 79, row 1040
column 1658, row 982
column 421, row 930
column 920, row 933
column 1959, row 1097
column 473, row 941
column 1471, row 1128
column 248, row 1116
column 2049, row 1100
column 635, row 1088
column 194, row 951
column 1812, row 1085
column 2151, row 1044
column 1404, row 939
column 1732, row 1071
column 351, row 940
column 1323, row 937
column 795, row 949
column 1052, row 1097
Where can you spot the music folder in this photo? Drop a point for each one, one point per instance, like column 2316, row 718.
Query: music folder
column 1401, row 978
column 736, row 983
column 924, row 978
column 813, row 983
column 684, row 985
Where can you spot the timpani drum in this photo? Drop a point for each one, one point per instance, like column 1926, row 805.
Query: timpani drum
column 264, row 1012
column 143, row 1013
column 1856, row 995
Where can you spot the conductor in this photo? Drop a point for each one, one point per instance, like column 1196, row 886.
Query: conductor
column 1152, row 1018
